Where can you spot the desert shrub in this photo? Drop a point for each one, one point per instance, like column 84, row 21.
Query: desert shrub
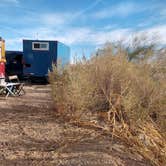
column 130, row 95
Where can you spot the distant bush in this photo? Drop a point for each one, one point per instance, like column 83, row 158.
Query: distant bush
column 126, row 97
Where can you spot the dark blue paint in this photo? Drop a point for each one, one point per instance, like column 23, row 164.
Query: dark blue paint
column 40, row 62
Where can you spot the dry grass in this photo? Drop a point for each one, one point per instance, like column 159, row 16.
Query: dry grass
column 124, row 98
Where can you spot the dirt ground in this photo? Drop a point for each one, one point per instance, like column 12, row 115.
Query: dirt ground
column 31, row 135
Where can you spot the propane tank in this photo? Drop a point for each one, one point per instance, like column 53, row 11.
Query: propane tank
column 2, row 58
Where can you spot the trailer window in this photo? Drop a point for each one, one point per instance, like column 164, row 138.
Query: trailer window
column 43, row 46
column 36, row 45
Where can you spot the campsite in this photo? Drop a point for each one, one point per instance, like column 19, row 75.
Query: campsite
column 33, row 133
column 49, row 123
column 82, row 83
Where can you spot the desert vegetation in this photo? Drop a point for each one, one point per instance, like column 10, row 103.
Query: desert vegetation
column 122, row 92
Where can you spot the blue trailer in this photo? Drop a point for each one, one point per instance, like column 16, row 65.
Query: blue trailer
column 39, row 55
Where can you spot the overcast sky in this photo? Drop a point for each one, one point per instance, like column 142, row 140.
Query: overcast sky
column 84, row 25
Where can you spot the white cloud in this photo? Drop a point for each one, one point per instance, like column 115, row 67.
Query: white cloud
column 86, row 36
column 88, row 8
column 119, row 10
column 68, row 35
column 55, row 19
column 76, row 36
column 49, row 20
column 55, row 26
column 159, row 32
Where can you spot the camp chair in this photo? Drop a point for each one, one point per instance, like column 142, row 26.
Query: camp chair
column 13, row 89
column 15, row 79
column 18, row 89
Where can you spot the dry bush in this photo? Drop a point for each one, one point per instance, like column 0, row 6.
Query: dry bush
column 128, row 98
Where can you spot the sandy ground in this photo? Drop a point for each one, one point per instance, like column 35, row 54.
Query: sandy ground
column 31, row 135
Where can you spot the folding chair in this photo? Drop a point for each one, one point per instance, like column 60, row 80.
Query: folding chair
column 18, row 89
column 12, row 88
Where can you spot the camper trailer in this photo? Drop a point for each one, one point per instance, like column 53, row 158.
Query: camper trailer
column 39, row 55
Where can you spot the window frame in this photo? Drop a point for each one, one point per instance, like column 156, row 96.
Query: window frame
column 40, row 48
